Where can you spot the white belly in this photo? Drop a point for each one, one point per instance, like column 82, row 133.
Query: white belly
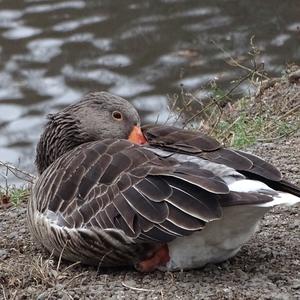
column 218, row 241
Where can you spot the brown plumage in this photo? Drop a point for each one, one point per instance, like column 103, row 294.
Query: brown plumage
column 101, row 199
column 84, row 122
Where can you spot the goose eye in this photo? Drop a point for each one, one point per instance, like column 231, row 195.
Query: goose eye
column 117, row 115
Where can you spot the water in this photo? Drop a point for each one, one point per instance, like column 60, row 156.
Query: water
column 52, row 52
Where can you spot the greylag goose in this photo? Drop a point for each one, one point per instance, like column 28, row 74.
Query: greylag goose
column 109, row 194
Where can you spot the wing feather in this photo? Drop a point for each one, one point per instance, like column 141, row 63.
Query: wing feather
column 125, row 212
column 261, row 167
column 158, row 234
column 194, row 201
column 174, row 229
column 154, row 188
column 175, row 140
column 155, row 212
column 184, row 220
column 130, row 188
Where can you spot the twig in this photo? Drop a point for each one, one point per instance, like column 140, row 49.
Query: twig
column 75, row 277
column 214, row 102
column 270, row 139
column 101, row 261
column 290, row 111
column 283, row 116
column 233, row 123
column 171, row 109
column 60, row 256
column 213, row 127
column 235, row 63
column 197, row 114
column 185, row 106
column 3, row 291
column 71, row 266
column 137, row 289
column 237, row 85
column 14, row 170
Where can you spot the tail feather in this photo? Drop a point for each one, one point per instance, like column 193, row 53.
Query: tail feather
column 282, row 198
column 281, row 185
column 287, row 194
column 288, row 187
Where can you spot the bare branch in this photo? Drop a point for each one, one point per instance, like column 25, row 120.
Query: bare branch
column 137, row 289
column 14, row 170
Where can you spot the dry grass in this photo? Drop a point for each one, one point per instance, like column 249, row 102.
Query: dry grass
column 11, row 194
column 272, row 113
column 43, row 273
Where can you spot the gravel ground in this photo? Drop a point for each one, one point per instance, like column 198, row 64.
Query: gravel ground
column 268, row 267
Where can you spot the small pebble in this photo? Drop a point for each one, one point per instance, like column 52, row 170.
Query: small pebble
column 4, row 254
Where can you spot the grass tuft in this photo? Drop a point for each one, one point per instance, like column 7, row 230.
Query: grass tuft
column 272, row 113
column 13, row 195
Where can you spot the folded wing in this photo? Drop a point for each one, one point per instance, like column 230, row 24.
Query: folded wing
column 118, row 185
column 197, row 144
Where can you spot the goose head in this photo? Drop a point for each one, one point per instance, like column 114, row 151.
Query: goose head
column 98, row 116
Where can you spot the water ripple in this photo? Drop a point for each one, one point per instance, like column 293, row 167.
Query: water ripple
column 52, row 52
column 40, row 8
column 21, row 32
column 101, row 76
column 8, row 89
column 130, row 88
column 114, row 60
column 9, row 18
column 74, row 24
column 43, row 50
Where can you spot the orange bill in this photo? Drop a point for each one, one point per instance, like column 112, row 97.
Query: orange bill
column 136, row 136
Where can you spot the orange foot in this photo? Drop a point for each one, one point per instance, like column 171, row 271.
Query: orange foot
column 159, row 258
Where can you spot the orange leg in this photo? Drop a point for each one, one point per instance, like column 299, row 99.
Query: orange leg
column 159, row 258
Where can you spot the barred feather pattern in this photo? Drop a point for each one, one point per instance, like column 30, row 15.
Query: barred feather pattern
column 113, row 203
column 196, row 144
